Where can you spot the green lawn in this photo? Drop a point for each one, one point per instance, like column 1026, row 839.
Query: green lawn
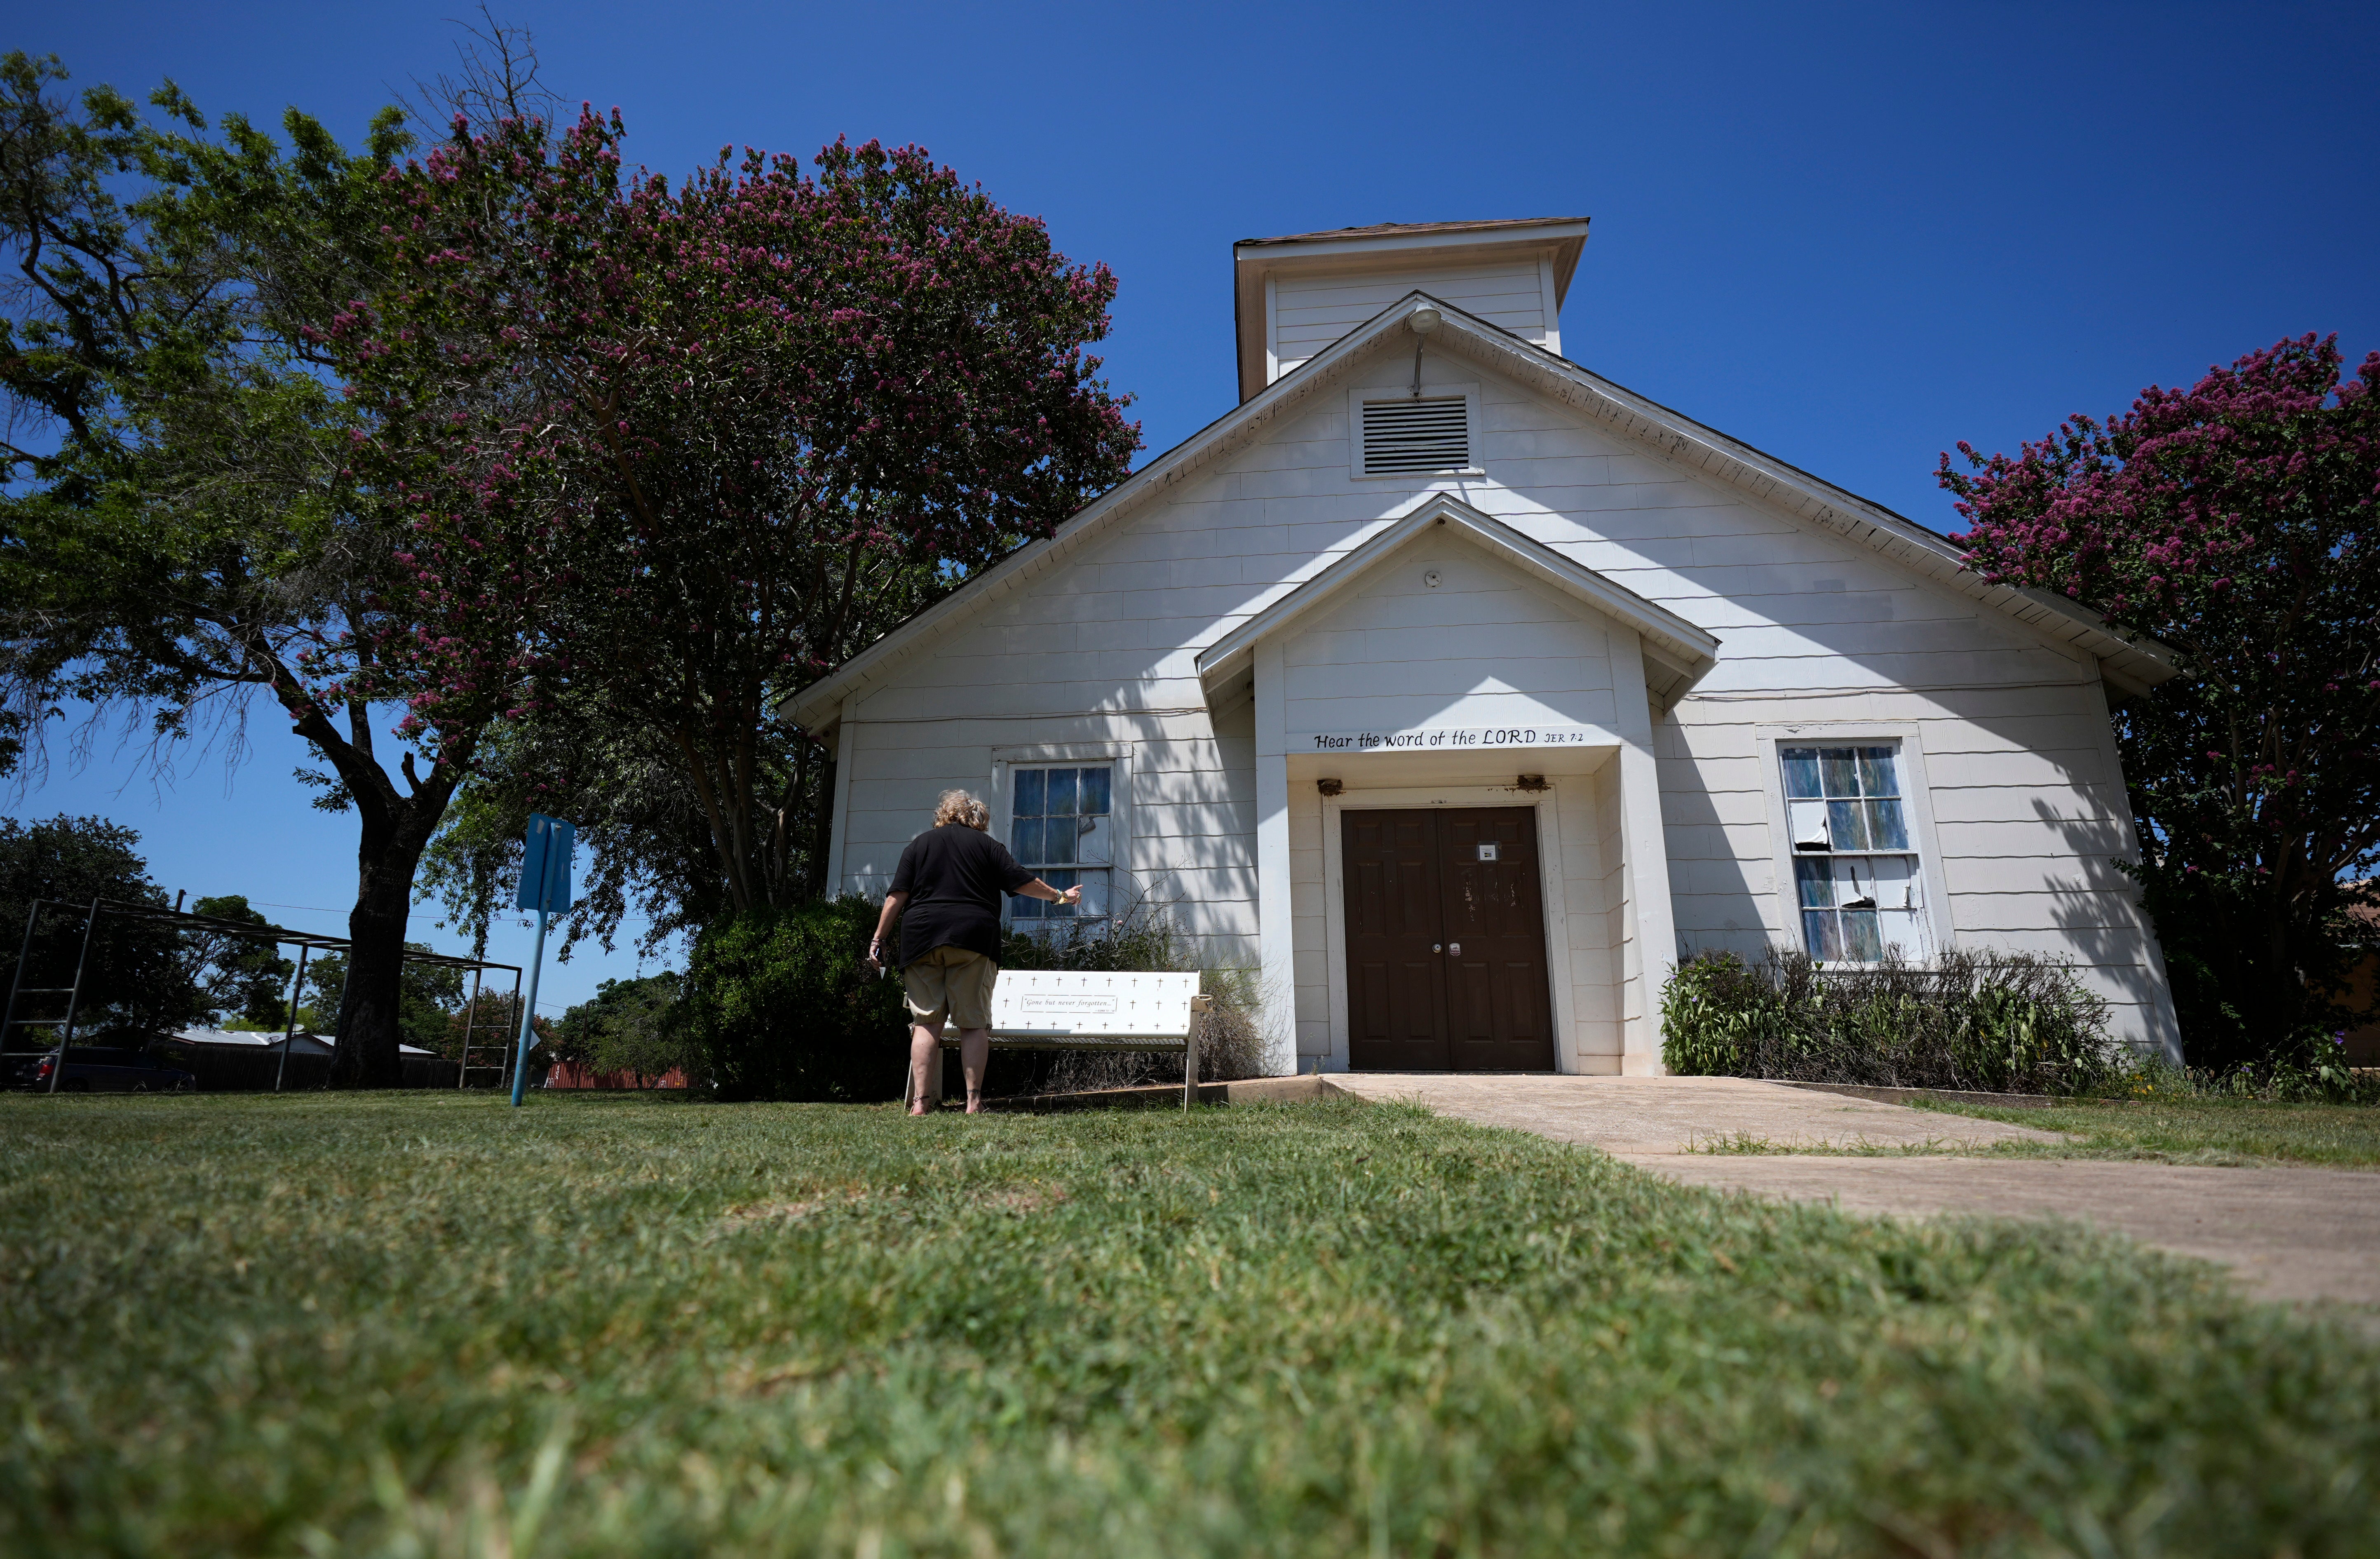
column 2198, row 1130
column 425, row 1324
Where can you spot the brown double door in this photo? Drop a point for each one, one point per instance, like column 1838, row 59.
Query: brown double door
column 1445, row 941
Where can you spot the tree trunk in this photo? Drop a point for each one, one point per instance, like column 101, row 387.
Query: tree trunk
column 370, row 1007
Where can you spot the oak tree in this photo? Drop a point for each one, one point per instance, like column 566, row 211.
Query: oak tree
column 186, row 534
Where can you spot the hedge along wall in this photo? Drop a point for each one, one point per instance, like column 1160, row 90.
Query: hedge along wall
column 1995, row 1022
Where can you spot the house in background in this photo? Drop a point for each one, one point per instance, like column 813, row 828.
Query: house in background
column 267, row 1041
column 1460, row 692
column 236, row 1060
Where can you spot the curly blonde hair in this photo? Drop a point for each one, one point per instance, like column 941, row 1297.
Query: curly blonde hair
column 957, row 805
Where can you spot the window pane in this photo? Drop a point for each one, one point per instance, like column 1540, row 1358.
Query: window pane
column 1885, row 830
column 1877, row 777
column 1025, row 909
column 1861, row 942
column 1808, row 821
column 1060, row 880
column 1094, row 893
column 1898, row 885
column 1846, row 801
column 1025, row 843
column 1058, row 840
column 1029, row 784
column 1091, row 842
column 1093, row 795
column 1062, row 794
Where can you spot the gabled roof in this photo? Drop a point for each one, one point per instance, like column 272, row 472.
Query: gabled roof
column 1676, row 653
column 1399, row 230
column 2132, row 664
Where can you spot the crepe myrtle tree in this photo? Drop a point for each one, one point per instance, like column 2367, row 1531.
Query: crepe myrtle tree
column 721, row 434
column 2239, row 522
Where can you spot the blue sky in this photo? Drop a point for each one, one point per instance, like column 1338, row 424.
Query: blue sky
column 1850, row 235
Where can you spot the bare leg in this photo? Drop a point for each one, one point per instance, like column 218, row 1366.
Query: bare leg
column 975, row 1051
column 922, row 1044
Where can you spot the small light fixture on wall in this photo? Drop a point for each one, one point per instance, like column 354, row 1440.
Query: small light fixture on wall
column 1530, row 782
column 1422, row 321
column 1328, row 786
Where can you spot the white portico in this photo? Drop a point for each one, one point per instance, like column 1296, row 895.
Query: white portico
column 1450, row 662
column 1459, row 692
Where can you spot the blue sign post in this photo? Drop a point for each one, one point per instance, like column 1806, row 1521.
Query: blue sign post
column 544, row 888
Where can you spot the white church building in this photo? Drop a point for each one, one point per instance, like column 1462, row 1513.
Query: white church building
column 1460, row 693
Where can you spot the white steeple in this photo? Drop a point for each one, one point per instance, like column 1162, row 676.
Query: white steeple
column 1298, row 294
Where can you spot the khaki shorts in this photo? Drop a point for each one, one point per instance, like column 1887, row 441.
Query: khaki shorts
column 950, row 982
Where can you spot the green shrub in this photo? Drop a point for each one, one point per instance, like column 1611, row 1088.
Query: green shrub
column 1995, row 1022
column 780, row 1005
column 2329, row 1081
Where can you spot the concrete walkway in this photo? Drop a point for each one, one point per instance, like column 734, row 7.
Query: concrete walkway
column 2288, row 1234
column 1660, row 1115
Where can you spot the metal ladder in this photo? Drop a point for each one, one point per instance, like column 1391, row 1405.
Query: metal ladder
column 499, row 1070
column 11, row 1022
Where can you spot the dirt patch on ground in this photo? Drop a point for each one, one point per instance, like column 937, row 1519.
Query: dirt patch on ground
column 1016, row 1199
column 771, row 1213
column 1026, row 1199
column 793, row 1209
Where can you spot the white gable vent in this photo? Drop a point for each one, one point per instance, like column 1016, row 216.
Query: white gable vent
column 1411, row 437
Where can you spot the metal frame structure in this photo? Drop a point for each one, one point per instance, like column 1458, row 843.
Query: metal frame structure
column 307, row 943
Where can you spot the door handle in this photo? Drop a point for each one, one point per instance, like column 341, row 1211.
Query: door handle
column 1455, row 948
column 1438, row 947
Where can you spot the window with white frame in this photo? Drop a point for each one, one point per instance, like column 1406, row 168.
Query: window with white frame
column 1855, row 869
column 1062, row 828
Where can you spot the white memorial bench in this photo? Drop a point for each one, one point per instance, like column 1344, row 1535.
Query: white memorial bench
column 1067, row 1009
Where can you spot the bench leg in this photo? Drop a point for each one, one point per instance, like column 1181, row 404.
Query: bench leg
column 1190, row 1065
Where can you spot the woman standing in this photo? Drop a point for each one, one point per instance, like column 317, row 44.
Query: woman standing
column 946, row 891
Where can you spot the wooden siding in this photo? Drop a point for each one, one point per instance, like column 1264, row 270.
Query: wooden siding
column 1310, row 312
column 1816, row 627
column 1191, row 813
column 1484, row 647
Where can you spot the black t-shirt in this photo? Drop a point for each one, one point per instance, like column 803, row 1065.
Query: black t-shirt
column 954, row 876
